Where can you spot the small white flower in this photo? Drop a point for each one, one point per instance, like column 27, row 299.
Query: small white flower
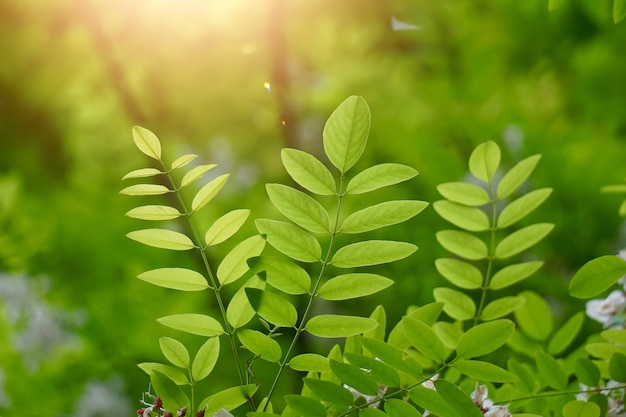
column 430, row 384
column 479, row 396
column 604, row 311
column 498, row 411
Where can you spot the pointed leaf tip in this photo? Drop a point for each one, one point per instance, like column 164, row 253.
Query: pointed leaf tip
column 147, row 142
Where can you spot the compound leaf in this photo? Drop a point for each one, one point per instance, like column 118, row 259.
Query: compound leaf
column 344, row 287
column 381, row 215
column 299, row 208
column 183, row 160
column 181, row 279
column 345, row 133
column 162, row 238
column 172, row 373
column 522, row 239
column 332, row 325
column 147, row 142
column 290, row 240
column 272, row 307
column 501, row 307
column 199, row 324
column 206, row 193
column 309, row 362
column 462, row 244
column 234, row 265
column 379, row 176
column 308, row 171
column 226, row 226
column 371, row 252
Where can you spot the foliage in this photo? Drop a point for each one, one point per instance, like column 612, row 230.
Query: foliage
column 493, row 357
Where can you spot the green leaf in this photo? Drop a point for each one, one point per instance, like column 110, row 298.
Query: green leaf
column 484, row 161
column 183, row 160
column 290, row 240
column 299, row 208
column 555, row 4
column 228, row 399
column 615, row 335
column 174, row 351
column 604, row 350
column 305, row 406
column 459, row 273
column 308, row 171
column 282, row 274
column 379, row 371
column 484, row 371
column 171, row 394
column 516, row 176
column 371, row 252
column 172, row 373
column 162, row 238
column 142, row 173
column 614, row 189
column 501, row 307
column 619, row 10
column 380, row 316
column 457, row 305
column 523, row 206
column 272, row 307
column 462, row 244
column 332, row 325
column 581, row 409
column 468, row 218
column 354, row 377
column 458, row 399
column 428, row 313
column 379, row 176
column 424, row 339
column 431, row 400
column 206, row 193
column 175, row 278
column 239, row 311
column 596, row 276
column 345, row 133
column 381, row 215
column 617, row 367
column 449, row 333
column 522, row 239
column 330, row 392
column 550, row 370
column 344, row 287
column 309, row 362
column 154, row 213
column 534, row 317
column 260, row 344
column 194, row 173
column 566, row 334
column 587, row 372
column 147, row 142
column 145, row 189
column 464, row 193
column 399, row 408
column 392, row 356
column 199, row 324
column 205, row 359
column 234, row 264
column 513, row 274
column 484, row 338
column 226, row 226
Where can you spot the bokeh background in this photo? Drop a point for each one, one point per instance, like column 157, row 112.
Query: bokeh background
column 440, row 78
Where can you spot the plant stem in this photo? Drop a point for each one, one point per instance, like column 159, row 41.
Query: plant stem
column 307, row 310
column 490, row 256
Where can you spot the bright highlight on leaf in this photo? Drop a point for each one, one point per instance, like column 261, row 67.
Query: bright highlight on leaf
column 234, row 264
column 174, row 351
column 183, row 160
column 170, row 372
column 156, row 213
column 142, row 173
column 484, row 161
column 379, row 176
column 381, row 215
column 145, row 189
column 195, row 173
column 162, row 238
column 199, row 324
column 332, row 325
column 206, row 193
column 205, row 359
column 290, row 240
column 147, row 142
column 175, row 278
column 308, row 171
column 299, row 208
column 349, row 286
column 226, row 226
column 371, row 252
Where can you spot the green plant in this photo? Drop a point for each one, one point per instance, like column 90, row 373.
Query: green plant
column 477, row 361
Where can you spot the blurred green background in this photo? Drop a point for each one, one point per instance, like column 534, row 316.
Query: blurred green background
column 440, row 78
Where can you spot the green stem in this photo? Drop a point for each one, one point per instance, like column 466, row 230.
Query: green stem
column 307, row 310
column 490, row 257
column 593, row 390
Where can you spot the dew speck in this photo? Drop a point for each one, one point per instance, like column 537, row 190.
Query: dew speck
column 267, row 86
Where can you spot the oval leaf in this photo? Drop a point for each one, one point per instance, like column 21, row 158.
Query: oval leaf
column 172, row 373
column 309, row 362
column 234, row 264
column 459, row 273
column 378, row 370
column 272, row 307
column 523, row 206
column 183, row 160
column 596, row 276
column 501, row 307
column 162, row 238
column 305, row 406
column 195, row 173
column 484, row 338
column 484, row 371
column 424, row 339
column 228, row 399
column 175, row 278
column 199, row 324
column 345, row 133
column 516, row 176
column 308, row 171
column 206, row 193
column 299, row 208
column 147, row 142
column 534, row 317
column 171, row 394
column 581, row 409
column 226, row 226
column 174, row 351
column 332, row 325
column 282, row 274
column 239, row 311
column 550, row 370
column 290, row 240
column 512, row 274
column 566, row 334
column 142, row 173
column 398, row 408
column 330, row 392
column 522, row 239
column 379, row 176
column 371, row 252
column 145, row 189
column 381, row 215
column 468, row 218
column 205, row 359
column 393, row 356
column 154, row 213
column 484, row 161
column 260, row 344
column 462, row 244
column 344, row 287
column 464, row 193
column 354, row 377
column 457, row 305
column 458, row 399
